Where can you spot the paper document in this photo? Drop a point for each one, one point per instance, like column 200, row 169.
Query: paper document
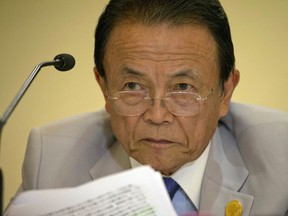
column 137, row 192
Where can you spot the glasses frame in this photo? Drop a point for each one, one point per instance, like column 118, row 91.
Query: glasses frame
column 147, row 97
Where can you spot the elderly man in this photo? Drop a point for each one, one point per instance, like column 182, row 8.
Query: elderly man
column 167, row 72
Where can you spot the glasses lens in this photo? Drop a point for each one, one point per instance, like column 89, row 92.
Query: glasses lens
column 182, row 104
column 130, row 103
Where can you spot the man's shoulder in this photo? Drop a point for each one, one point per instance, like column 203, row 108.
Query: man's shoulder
column 244, row 117
column 242, row 109
column 89, row 118
column 71, row 146
column 258, row 131
column 88, row 125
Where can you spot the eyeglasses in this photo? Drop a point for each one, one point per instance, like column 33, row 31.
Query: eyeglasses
column 135, row 103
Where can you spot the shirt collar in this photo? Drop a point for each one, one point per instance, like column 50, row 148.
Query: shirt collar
column 189, row 176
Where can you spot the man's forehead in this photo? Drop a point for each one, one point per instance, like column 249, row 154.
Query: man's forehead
column 183, row 72
column 161, row 39
column 124, row 28
column 163, row 50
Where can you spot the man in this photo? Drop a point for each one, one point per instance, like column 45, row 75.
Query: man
column 167, row 72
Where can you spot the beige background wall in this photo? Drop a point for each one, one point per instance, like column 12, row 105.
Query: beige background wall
column 34, row 31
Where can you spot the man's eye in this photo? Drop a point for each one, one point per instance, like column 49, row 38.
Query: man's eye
column 183, row 87
column 132, row 86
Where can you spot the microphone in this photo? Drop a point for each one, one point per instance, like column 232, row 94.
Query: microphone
column 62, row 62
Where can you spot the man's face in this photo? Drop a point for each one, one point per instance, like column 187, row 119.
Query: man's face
column 162, row 59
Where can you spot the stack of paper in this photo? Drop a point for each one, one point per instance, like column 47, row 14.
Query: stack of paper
column 139, row 191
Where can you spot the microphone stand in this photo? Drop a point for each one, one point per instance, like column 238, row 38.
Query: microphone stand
column 10, row 109
column 1, row 176
column 61, row 62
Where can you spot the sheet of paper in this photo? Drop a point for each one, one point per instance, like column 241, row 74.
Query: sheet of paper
column 139, row 191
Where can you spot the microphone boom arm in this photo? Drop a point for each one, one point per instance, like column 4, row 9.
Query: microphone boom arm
column 62, row 62
column 22, row 90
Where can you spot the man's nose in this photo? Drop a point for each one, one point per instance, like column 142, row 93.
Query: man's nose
column 157, row 112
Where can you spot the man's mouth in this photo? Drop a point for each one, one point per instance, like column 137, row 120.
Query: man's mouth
column 157, row 141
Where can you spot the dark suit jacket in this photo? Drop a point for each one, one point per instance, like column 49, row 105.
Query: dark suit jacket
column 247, row 160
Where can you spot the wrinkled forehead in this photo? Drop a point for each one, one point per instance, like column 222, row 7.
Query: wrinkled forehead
column 136, row 28
column 163, row 38
column 160, row 43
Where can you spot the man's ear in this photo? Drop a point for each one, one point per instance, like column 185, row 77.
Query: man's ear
column 228, row 90
column 101, row 82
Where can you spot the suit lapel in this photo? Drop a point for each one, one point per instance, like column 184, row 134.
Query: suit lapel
column 114, row 160
column 225, row 174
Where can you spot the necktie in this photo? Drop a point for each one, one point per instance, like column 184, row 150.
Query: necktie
column 171, row 185
column 183, row 205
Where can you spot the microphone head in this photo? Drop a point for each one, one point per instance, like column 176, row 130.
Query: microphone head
column 64, row 62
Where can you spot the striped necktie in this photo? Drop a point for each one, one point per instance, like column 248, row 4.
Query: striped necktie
column 171, row 185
